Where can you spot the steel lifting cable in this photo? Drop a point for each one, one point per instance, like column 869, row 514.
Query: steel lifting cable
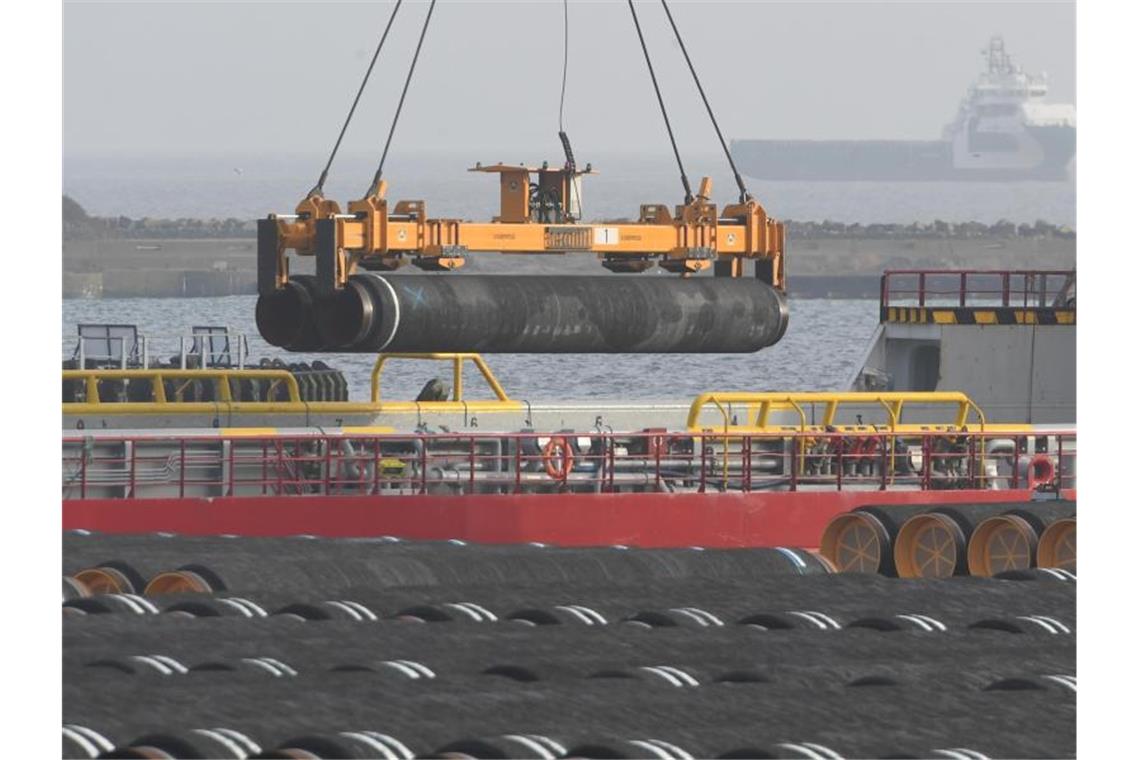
column 661, row 102
column 318, row 189
column 565, row 59
column 571, row 164
column 744, row 194
column 407, row 81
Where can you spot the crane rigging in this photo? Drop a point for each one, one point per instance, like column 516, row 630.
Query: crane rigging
column 351, row 304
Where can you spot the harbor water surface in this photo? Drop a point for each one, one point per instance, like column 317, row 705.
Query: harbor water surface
column 824, row 345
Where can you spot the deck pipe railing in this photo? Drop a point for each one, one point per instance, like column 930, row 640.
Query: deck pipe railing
column 401, row 464
column 1026, row 289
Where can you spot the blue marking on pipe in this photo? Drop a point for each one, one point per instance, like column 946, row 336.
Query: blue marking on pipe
column 416, row 294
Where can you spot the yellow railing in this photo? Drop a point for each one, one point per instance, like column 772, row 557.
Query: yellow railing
column 157, row 379
column 160, row 403
column 457, row 361
column 759, row 408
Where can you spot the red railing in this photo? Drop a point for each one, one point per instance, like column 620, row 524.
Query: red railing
column 1041, row 288
column 135, row 467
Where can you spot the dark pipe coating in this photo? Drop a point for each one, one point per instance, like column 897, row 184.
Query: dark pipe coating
column 533, row 314
column 285, row 317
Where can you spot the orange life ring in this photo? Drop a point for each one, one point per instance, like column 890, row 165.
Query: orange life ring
column 558, row 458
column 1041, row 471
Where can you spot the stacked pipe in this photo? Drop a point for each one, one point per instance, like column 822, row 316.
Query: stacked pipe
column 525, row 314
column 1038, row 535
column 652, row 653
column 177, row 565
column 862, row 540
column 939, row 541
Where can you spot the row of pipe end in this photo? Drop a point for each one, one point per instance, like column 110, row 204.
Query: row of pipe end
column 116, row 577
column 935, row 545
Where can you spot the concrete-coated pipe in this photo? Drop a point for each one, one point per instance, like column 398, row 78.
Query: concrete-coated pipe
column 551, row 314
column 861, row 541
column 1058, row 545
column 177, row 582
column 74, row 589
column 343, row 744
column 285, row 317
column 933, row 544
column 201, row 742
column 1009, row 542
column 113, row 577
column 188, row 579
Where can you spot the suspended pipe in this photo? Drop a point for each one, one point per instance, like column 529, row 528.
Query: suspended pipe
column 526, row 314
column 285, row 317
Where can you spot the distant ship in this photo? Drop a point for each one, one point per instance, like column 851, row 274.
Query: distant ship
column 1003, row 131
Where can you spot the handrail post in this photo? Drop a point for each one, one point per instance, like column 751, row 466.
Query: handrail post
column 746, row 457
column 327, row 479
column 921, row 289
column 83, row 470
column 377, row 368
column 883, row 461
column 471, row 460
column 375, row 465
column 518, row 464
column 839, row 463
column 704, row 457
column 230, row 459
column 423, row 466
column 613, row 460
column 1005, row 288
column 1017, row 462
column 131, row 476
column 926, row 463
column 657, row 460
column 181, row 468
column 798, row 446
column 971, row 461
column 1060, row 462
column 264, row 467
column 962, row 290
column 280, row 465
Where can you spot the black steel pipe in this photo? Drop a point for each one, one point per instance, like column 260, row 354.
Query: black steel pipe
column 285, row 317
column 549, row 314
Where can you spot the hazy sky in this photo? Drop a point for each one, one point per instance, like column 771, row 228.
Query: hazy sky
column 268, row 77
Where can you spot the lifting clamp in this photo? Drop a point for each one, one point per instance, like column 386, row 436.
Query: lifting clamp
column 537, row 215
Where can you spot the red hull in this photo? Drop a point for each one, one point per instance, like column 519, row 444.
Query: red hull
column 648, row 520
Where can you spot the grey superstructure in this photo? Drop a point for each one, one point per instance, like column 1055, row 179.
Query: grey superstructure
column 1003, row 130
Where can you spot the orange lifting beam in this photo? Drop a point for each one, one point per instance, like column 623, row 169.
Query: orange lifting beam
column 539, row 213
